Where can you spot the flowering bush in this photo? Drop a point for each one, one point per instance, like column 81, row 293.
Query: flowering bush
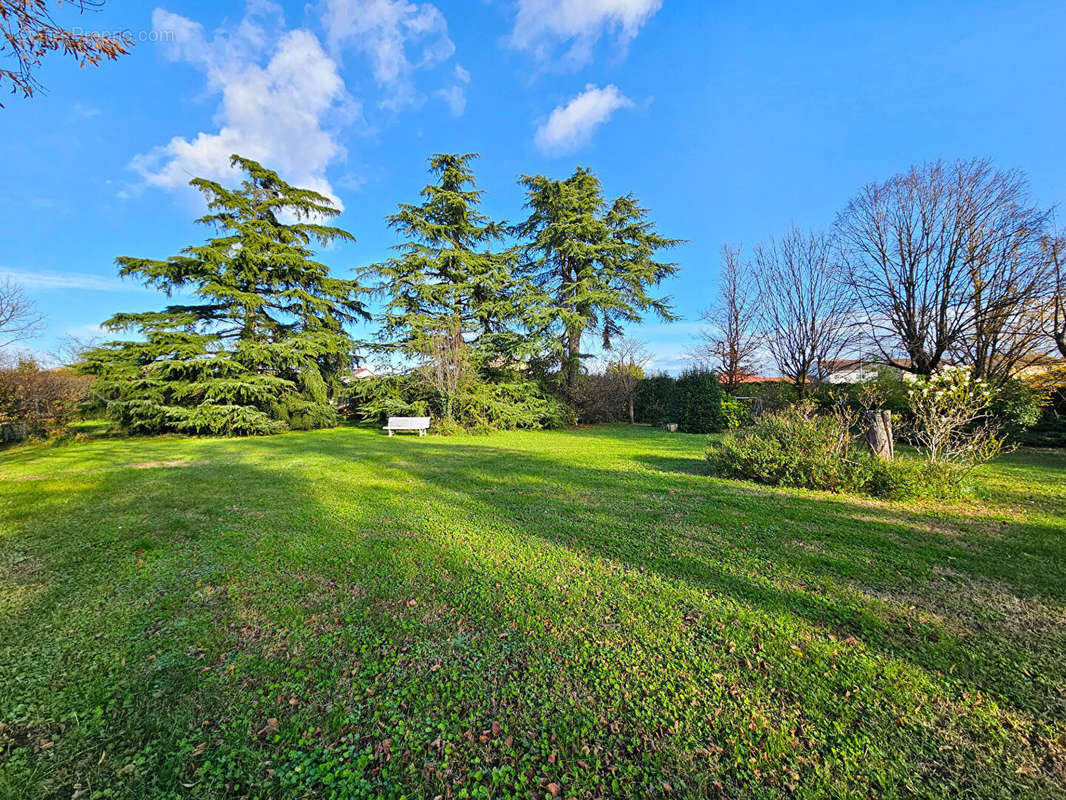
column 952, row 421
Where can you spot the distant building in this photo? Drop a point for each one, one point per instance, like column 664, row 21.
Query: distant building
column 852, row 370
column 362, row 372
column 860, row 370
column 1038, row 366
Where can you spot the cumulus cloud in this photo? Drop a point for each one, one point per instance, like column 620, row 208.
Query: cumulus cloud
column 541, row 25
column 398, row 37
column 281, row 101
column 570, row 127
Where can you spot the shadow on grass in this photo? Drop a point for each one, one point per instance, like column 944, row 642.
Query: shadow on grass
column 195, row 563
column 687, row 466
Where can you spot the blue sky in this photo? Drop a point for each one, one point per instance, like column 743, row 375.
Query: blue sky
column 730, row 120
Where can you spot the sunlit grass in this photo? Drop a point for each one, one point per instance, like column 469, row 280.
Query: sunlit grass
column 341, row 614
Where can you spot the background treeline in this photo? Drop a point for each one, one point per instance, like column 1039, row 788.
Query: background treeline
column 484, row 323
column 949, row 264
column 480, row 322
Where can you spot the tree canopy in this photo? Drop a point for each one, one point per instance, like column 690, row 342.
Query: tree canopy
column 594, row 261
column 266, row 344
column 447, row 280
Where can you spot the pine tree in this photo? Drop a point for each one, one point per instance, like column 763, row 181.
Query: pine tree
column 447, row 279
column 264, row 349
column 594, row 262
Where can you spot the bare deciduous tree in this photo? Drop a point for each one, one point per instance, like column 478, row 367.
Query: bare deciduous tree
column 941, row 258
column 28, row 33
column 805, row 313
column 730, row 344
column 19, row 319
column 444, row 361
column 625, row 368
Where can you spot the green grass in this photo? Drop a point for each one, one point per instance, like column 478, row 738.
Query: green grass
column 341, row 614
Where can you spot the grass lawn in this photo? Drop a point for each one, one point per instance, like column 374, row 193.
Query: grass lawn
column 580, row 613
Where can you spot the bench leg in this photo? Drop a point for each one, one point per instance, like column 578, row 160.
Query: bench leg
column 390, row 433
column 421, row 433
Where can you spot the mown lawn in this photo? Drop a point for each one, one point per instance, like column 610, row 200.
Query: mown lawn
column 340, row 614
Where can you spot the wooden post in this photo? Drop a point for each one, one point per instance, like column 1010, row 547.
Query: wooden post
column 879, row 434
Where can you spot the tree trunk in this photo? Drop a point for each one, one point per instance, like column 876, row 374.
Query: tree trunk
column 879, row 434
column 573, row 352
column 631, row 414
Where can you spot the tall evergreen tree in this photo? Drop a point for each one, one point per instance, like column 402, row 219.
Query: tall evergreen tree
column 266, row 345
column 447, row 281
column 594, row 261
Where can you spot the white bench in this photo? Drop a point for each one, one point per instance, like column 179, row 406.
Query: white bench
column 396, row 424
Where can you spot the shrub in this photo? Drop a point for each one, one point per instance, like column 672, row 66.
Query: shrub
column 476, row 404
column 801, row 448
column 599, row 398
column 769, row 396
column 657, row 400
column 793, row 447
column 508, row 404
column 1016, row 407
column 693, row 401
column 905, row 478
column 735, row 413
column 38, row 402
column 700, row 402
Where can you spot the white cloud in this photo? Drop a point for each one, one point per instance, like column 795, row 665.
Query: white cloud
column 455, row 97
column 281, row 99
column 541, row 24
column 86, row 111
column 570, row 127
column 397, row 36
column 88, row 332
column 67, row 280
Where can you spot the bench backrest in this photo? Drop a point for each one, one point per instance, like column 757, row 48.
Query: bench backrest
column 410, row 423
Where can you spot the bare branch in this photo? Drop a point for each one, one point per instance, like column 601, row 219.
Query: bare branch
column 943, row 260
column 19, row 319
column 28, row 33
column 730, row 344
column 805, row 318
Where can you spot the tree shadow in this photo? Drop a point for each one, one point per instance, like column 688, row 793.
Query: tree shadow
column 206, row 554
column 688, row 466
